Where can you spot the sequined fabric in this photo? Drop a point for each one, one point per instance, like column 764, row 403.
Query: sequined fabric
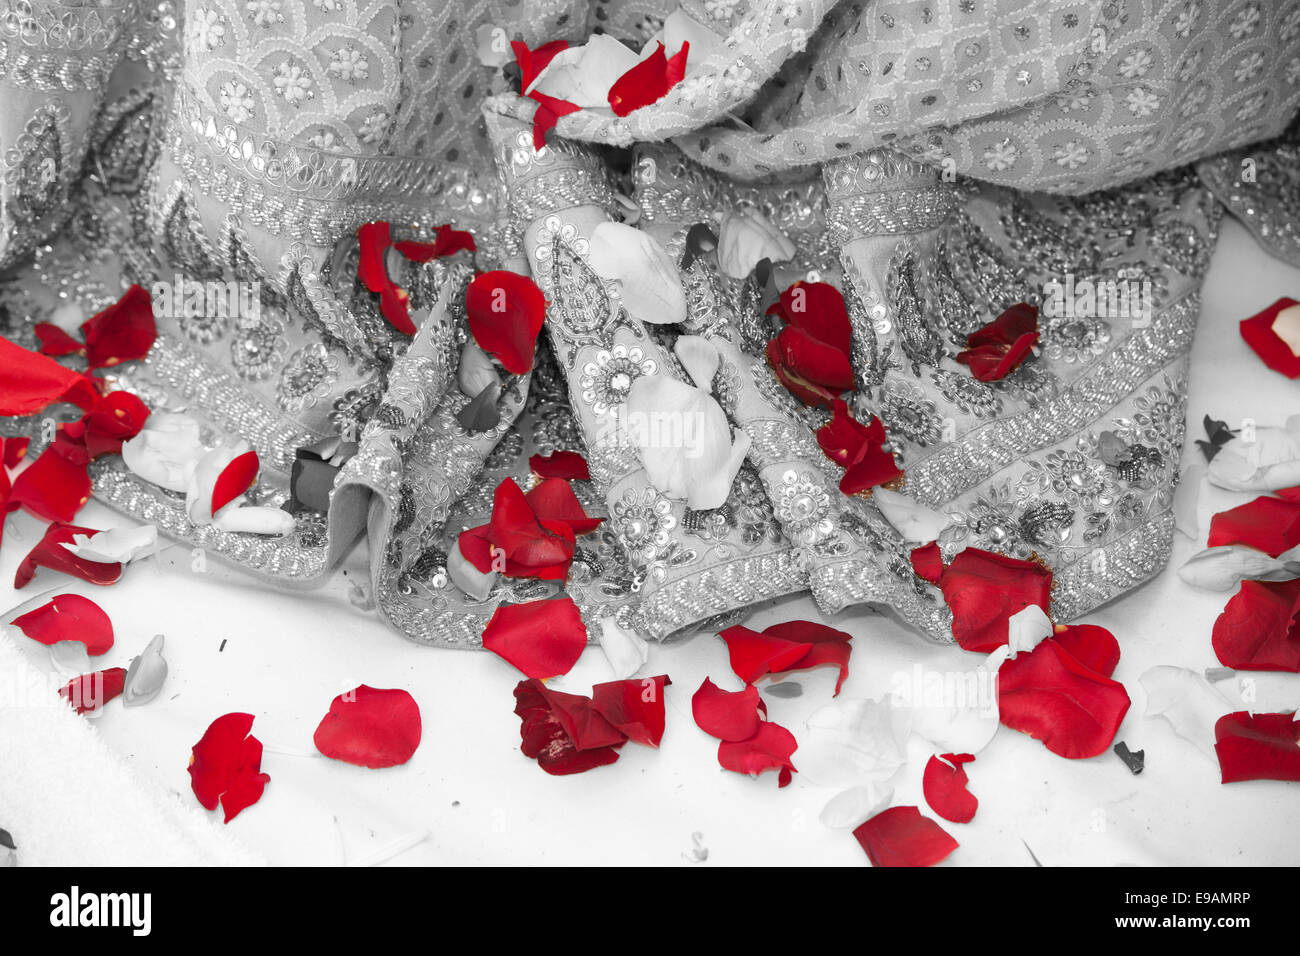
column 245, row 142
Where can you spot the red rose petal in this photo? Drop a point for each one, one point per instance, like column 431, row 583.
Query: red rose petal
column 542, row 638
column 818, row 367
column 1259, row 335
column 1257, row 629
column 1258, row 746
column 769, row 749
column 1091, row 645
column 236, row 478
column 727, row 715
column 225, row 765
column 50, row 553
column 532, row 62
column 927, row 562
column 810, row 393
column 370, row 727
column 827, row 646
column 1050, row 696
column 55, row 342
column 374, row 239
column 900, row 836
column 447, row 242
column 29, row 382
column 648, row 81
column 553, row 500
column 506, row 311
column 857, row 448
column 532, row 547
column 123, row 332
column 754, row 655
column 90, row 692
column 995, row 350
column 15, row 449
column 634, row 707
column 1271, row 525
column 55, row 486
column 69, row 617
column 544, row 715
column 944, row 785
column 112, row 419
column 560, row 464
column 984, row 590
column 817, row 308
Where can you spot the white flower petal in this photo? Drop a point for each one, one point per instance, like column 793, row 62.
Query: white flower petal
column 626, row 651
column 70, row 656
column 476, row 371
column 203, row 479
column 955, row 710
column 649, row 283
column 1187, row 499
column 745, row 238
column 680, row 27
column 911, row 519
column 853, row 742
column 467, row 577
column 166, row 451
column 1187, row 701
column 1267, row 462
column 1026, row 628
column 113, row 545
column 699, row 357
column 254, row 519
column 1223, row 568
column 853, row 806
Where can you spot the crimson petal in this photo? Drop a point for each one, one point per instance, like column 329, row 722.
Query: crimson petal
column 15, row 449
column 754, row 654
column 122, row 332
column 944, row 784
column 1257, row 746
column 1050, row 696
column 54, row 341
column 927, row 562
column 635, row 707
column 29, row 382
column 560, row 464
column 727, row 715
column 1091, row 645
column 91, row 691
column 225, row 765
column 542, row 638
column 769, row 749
column 996, row 349
column 370, row 727
column 112, row 419
column 54, row 486
column 447, row 242
column 984, row 589
column 648, row 81
column 1271, row 525
column 236, row 478
column 900, row 836
column 818, row 309
column 1257, row 629
column 1259, row 335
column 544, row 715
column 553, row 500
column 50, row 553
column 69, row 617
column 505, row 312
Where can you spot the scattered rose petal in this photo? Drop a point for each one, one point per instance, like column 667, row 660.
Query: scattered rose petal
column 583, row 75
column 1270, row 524
column 370, row 727
column 549, row 108
column 790, row 646
column 92, row 691
column 626, row 651
column 984, row 589
column 1261, row 333
column 51, row 553
column 634, row 707
column 1091, row 645
column 235, row 479
column 1223, row 568
column 858, row 449
column 812, row 355
column 506, row 311
column 691, row 453
column 850, row 807
column 255, row 519
column 746, row 238
column 166, row 451
column 15, row 449
column 563, row 732
column 900, row 836
column 648, row 81
column 374, row 239
column 226, row 766
column 1271, row 460
column 1187, row 701
column 994, row 351
column 927, row 562
column 955, row 710
column 944, row 784
column 30, row 382
column 1026, row 628
column 1258, row 746
column 1186, row 499
column 517, row 541
column 912, row 520
column 851, row 742
column 69, row 617
column 447, row 242
column 54, row 487
column 560, row 464
column 1050, row 696
column 123, row 332
column 111, row 420
column 649, row 284
column 115, row 545
column 727, row 715
column 146, row 675
column 1257, row 629
column 476, row 371
column 769, row 749
column 552, row 499
column 541, row 638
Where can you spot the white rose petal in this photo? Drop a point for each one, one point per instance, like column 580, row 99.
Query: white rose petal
column 649, row 284
column 584, row 74
column 853, row 806
column 254, row 519
column 1271, row 460
column 166, row 450
column 146, row 675
column 114, row 545
column 745, row 239
column 1187, row 701
column 911, row 519
column 853, row 742
column 626, row 651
